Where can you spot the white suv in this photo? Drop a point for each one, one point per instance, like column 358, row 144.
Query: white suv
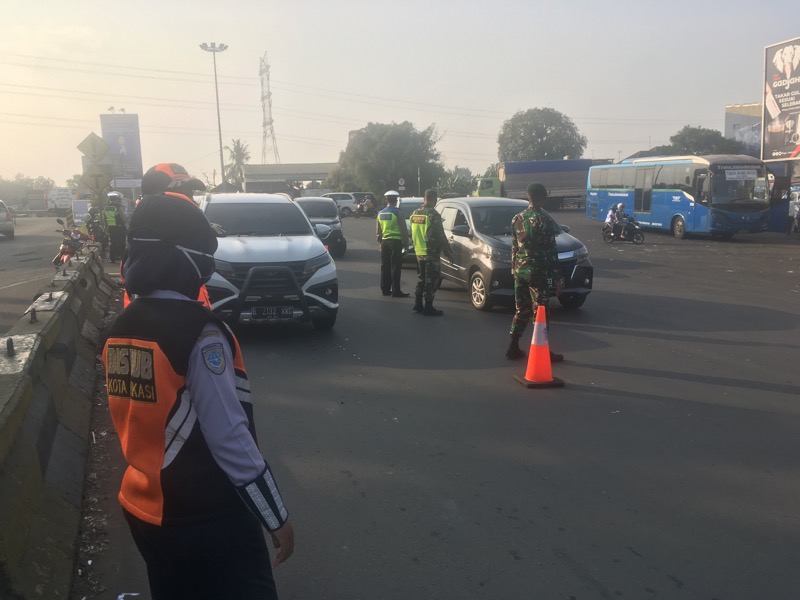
column 270, row 265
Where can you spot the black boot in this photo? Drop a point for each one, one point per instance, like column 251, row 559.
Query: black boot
column 417, row 308
column 429, row 311
column 514, row 352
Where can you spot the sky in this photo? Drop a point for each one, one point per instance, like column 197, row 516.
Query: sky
column 629, row 74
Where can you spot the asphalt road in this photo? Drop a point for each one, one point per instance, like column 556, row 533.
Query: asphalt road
column 415, row 466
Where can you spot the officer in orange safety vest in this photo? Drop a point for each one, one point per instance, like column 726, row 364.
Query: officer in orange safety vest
column 197, row 492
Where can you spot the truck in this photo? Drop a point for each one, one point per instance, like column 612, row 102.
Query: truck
column 565, row 180
column 59, row 200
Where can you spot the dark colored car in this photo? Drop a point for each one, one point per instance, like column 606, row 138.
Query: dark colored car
column 324, row 211
column 479, row 232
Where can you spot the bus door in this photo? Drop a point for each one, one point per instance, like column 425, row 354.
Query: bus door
column 643, row 196
column 698, row 221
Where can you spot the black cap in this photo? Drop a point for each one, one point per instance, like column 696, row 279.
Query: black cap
column 537, row 190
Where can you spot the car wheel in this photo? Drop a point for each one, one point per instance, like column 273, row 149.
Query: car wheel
column 325, row 322
column 478, row 294
column 572, row 301
column 346, row 211
column 679, row 228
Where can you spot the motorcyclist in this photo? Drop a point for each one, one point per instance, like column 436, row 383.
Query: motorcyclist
column 621, row 222
column 366, row 206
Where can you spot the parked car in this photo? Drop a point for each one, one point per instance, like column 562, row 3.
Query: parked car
column 408, row 206
column 323, row 211
column 348, row 201
column 6, row 221
column 479, row 232
column 271, row 266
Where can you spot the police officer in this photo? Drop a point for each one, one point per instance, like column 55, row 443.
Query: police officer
column 197, row 491
column 534, row 259
column 115, row 225
column 393, row 238
column 427, row 234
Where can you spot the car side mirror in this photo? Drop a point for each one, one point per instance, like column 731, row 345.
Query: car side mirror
column 461, row 230
column 322, row 231
column 60, row 222
column 564, row 228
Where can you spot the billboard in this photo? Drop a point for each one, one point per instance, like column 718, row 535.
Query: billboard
column 121, row 133
column 781, row 134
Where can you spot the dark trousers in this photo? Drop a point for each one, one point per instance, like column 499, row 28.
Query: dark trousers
column 429, row 271
column 391, row 266
column 215, row 560
column 116, row 235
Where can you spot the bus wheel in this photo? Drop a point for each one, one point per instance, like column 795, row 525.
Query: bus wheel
column 679, row 228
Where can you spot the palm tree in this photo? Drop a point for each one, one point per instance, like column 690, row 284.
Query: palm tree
column 238, row 155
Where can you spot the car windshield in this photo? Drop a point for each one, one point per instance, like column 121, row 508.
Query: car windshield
column 316, row 209
column 409, row 206
column 258, row 219
column 494, row 220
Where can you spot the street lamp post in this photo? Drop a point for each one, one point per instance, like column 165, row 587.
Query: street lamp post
column 214, row 48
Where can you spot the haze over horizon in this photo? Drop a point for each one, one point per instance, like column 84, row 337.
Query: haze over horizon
column 629, row 75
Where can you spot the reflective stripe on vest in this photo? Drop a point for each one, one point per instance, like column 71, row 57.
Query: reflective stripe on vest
column 390, row 227
column 419, row 233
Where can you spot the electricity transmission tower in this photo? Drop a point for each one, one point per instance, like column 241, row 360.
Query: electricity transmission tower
column 268, row 138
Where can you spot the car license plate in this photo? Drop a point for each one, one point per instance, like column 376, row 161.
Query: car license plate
column 272, row 312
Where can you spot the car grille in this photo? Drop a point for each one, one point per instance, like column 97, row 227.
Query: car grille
column 566, row 267
column 267, row 282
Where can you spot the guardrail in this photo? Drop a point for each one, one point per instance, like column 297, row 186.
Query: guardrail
column 47, row 375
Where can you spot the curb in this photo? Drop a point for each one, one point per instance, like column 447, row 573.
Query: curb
column 45, row 410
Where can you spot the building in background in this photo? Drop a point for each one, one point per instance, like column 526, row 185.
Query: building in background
column 743, row 124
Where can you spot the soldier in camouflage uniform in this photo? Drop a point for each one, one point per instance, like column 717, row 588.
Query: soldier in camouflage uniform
column 534, row 264
column 429, row 240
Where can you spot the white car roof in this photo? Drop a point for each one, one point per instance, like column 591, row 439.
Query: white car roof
column 250, row 198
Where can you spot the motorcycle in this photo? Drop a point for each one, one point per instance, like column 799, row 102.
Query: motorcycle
column 97, row 233
column 631, row 231
column 365, row 209
column 72, row 243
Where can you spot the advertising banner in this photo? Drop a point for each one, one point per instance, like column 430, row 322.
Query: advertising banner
column 781, row 132
column 121, row 133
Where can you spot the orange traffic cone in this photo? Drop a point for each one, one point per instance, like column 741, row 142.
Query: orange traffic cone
column 539, row 373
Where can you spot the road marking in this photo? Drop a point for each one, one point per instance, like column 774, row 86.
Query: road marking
column 10, row 285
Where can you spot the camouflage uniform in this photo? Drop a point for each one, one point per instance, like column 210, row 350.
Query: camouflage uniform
column 428, row 264
column 534, row 264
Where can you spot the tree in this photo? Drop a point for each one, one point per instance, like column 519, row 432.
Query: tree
column 379, row 155
column 74, row 181
column 238, row 155
column 492, row 170
column 699, row 140
column 39, row 183
column 455, row 183
column 539, row 134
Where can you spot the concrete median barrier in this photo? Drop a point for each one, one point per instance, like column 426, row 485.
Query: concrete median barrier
column 47, row 374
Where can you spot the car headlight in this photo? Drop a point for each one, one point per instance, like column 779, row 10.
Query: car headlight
column 499, row 255
column 224, row 268
column 335, row 226
column 578, row 254
column 313, row 264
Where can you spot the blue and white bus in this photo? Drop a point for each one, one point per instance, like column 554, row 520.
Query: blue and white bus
column 717, row 194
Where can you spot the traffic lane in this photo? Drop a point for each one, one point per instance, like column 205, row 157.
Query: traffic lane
column 423, row 469
column 25, row 266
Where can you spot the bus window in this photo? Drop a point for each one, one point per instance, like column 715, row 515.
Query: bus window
column 644, row 190
column 628, row 178
column 615, row 177
column 702, row 185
